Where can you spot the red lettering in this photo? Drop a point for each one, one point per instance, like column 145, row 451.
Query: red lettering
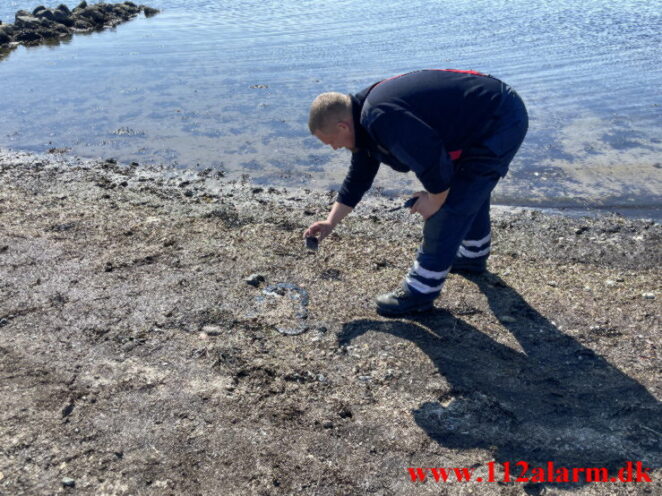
column 642, row 473
column 550, row 473
column 562, row 475
column 416, row 474
column 525, row 468
column 463, row 474
column 625, row 470
column 506, row 471
column 575, row 474
column 597, row 475
column 538, row 474
column 490, row 472
column 439, row 473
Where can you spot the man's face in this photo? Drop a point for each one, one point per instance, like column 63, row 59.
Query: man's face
column 342, row 136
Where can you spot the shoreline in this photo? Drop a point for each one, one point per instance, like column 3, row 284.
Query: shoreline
column 636, row 212
column 137, row 359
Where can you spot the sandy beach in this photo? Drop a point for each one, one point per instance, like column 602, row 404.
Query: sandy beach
column 136, row 358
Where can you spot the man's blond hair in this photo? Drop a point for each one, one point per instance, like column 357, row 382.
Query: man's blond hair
column 328, row 109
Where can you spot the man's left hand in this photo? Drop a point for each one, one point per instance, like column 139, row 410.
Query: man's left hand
column 428, row 204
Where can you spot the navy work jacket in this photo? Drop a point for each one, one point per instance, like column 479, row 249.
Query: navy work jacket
column 419, row 121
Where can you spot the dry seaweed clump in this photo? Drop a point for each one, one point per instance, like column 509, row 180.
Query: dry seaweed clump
column 44, row 25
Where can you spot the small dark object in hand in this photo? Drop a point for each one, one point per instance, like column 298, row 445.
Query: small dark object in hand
column 312, row 243
column 408, row 204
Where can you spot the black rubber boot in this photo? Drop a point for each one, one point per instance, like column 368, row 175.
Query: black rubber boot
column 469, row 265
column 403, row 301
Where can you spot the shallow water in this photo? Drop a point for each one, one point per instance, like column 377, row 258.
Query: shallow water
column 228, row 84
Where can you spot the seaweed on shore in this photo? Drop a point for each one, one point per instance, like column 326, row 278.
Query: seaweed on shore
column 137, row 357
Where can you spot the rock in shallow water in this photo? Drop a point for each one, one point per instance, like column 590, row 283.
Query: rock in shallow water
column 27, row 22
column 43, row 24
column 149, row 11
column 28, row 37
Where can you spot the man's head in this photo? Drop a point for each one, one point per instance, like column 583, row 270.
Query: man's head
column 331, row 121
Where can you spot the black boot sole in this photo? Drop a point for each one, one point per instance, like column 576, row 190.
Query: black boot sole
column 461, row 270
column 396, row 313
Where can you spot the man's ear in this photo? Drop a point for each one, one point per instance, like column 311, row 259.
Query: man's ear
column 342, row 126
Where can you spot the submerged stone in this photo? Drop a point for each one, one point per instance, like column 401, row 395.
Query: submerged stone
column 149, row 11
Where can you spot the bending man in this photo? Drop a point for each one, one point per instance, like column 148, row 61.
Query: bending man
column 458, row 132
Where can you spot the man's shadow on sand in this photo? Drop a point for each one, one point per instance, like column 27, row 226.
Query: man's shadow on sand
column 558, row 401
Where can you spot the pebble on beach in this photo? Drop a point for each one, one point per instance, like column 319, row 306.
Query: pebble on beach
column 255, row 279
column 68, row 482
column 211, row 330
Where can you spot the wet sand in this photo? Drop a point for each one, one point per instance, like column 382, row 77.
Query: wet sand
column 136, row 359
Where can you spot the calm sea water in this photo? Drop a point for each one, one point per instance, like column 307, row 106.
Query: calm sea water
column 210, row 83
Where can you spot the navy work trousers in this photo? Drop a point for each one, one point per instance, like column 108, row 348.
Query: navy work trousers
column 461, row 227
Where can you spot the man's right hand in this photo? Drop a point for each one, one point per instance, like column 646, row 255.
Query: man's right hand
column 319, row 229
column 323, row 228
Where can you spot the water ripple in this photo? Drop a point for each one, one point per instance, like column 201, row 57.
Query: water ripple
column 210, row 81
